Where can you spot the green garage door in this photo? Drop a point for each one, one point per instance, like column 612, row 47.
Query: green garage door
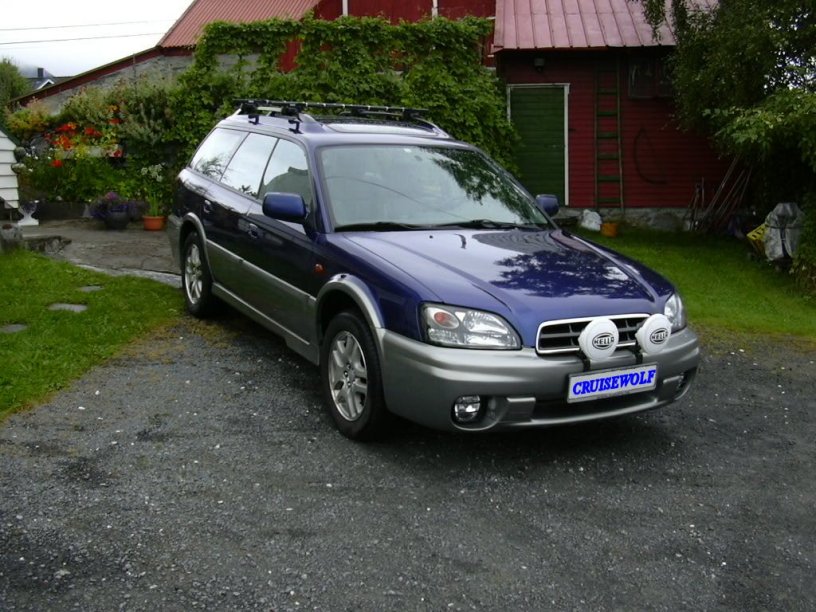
column 538, row 114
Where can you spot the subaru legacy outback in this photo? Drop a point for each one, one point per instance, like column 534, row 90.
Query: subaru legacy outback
column 420, row 276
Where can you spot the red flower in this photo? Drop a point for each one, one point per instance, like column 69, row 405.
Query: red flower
column 115, row 121
column 63, row 142
column 57, row 163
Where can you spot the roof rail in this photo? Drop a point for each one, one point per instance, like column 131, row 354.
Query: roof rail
column 254, row 108
column 290, row 107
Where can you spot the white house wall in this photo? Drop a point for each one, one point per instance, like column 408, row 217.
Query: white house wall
column 8, row 180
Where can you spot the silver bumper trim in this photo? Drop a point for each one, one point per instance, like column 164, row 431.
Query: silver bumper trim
column 522, row 389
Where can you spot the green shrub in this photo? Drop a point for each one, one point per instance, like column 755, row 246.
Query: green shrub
column 804, row 265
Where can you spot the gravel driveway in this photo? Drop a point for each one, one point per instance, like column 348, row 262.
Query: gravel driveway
column 198, row 470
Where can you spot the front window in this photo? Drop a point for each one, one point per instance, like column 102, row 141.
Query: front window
column 287, row 172
column 421, row 186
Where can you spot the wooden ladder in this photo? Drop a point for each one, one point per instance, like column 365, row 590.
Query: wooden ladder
column 608, row 147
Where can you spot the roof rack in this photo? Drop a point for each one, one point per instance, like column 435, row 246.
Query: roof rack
column 289, row 108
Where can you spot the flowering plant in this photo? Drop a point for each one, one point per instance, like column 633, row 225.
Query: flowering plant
column 154, row 189
column 113, row 202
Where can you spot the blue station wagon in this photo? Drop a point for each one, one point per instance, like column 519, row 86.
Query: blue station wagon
column 420, row 276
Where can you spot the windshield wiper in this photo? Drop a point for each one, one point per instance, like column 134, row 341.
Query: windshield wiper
column 378, row 226
column 485, row 224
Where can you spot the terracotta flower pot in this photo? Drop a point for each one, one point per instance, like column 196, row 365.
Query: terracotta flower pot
column 154, row 224
column 609, row 229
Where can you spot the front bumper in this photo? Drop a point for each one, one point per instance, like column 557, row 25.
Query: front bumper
column 520, row 388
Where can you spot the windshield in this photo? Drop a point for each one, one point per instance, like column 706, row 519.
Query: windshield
column 407, row 187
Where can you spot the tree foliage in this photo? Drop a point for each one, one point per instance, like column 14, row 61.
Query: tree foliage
column 12, row 85
column 746, row 71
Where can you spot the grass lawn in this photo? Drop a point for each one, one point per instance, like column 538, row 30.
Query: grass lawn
column 722, row 287
column 58, row 346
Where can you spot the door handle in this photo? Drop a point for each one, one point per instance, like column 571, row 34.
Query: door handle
column 208, row 206
column 254, row 231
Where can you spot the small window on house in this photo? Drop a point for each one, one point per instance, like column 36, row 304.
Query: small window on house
column 648, row 78
column 665, row 88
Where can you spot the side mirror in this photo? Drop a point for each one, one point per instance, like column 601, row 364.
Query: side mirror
column 547, row 203
column 285, row 207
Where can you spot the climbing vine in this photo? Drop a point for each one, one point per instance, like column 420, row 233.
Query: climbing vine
column 434, row 64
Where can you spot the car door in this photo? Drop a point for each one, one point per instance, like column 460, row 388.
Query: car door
column 242, row 179
column 218, row 207
column 280, row 254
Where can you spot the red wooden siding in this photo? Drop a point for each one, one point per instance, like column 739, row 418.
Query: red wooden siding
column 456, row 9
column 661, row 164
column 408, row 10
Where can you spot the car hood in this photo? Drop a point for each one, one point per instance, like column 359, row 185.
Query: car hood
column 526, row 274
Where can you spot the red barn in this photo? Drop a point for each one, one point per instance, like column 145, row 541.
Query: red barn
column 587, row 90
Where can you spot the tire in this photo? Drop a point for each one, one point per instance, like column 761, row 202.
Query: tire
column 351, row 379
column 196, row 279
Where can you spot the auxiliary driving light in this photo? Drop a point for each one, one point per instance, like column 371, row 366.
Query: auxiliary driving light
column 599, row 339
column 466, row 408
column 654, row 334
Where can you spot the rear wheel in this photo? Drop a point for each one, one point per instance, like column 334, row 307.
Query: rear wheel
column 351, row 379
column 196, row 279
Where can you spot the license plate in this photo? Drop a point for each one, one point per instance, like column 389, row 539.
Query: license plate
column 611, row 383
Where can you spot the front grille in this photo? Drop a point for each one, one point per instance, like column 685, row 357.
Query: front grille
column 561, row 337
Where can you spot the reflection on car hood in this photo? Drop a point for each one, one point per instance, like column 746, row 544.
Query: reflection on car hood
column 543, row 274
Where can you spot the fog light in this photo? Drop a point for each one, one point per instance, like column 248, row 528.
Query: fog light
column 466, row 409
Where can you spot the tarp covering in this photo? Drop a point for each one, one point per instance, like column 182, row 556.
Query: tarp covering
column 784, row 227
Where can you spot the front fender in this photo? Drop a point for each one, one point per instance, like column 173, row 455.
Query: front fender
column 357, row 291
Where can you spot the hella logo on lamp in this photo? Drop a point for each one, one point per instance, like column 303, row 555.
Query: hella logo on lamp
column 602, row 341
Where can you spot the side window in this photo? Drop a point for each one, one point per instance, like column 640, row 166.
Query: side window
column 246, row 168
column 288, row 172
column 215, row 152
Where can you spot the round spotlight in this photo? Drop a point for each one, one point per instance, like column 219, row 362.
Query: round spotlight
column 654, row 334
column 599, row 339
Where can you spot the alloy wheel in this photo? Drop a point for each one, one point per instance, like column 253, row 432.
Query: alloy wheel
column 193, row 275
column 348, row 376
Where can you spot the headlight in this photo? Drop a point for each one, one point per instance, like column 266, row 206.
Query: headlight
column 675, row 312
column 466, row 328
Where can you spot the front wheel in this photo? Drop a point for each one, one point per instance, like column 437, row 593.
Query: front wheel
column 351, row 379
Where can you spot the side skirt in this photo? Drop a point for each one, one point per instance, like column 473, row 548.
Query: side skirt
column 303, row 347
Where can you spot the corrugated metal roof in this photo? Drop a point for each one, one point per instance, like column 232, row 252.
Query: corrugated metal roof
column 577, row 24
column 188, row 28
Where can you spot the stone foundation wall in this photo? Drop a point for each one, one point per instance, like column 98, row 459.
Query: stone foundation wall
column 663, row 219
column 159, row 68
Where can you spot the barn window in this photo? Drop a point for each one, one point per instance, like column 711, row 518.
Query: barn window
column 649, row 78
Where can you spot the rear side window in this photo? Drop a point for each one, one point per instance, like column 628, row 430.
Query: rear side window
column 215, row 152
column 247, row 166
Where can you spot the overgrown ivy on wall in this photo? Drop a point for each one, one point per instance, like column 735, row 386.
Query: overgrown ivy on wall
column 434, row 64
